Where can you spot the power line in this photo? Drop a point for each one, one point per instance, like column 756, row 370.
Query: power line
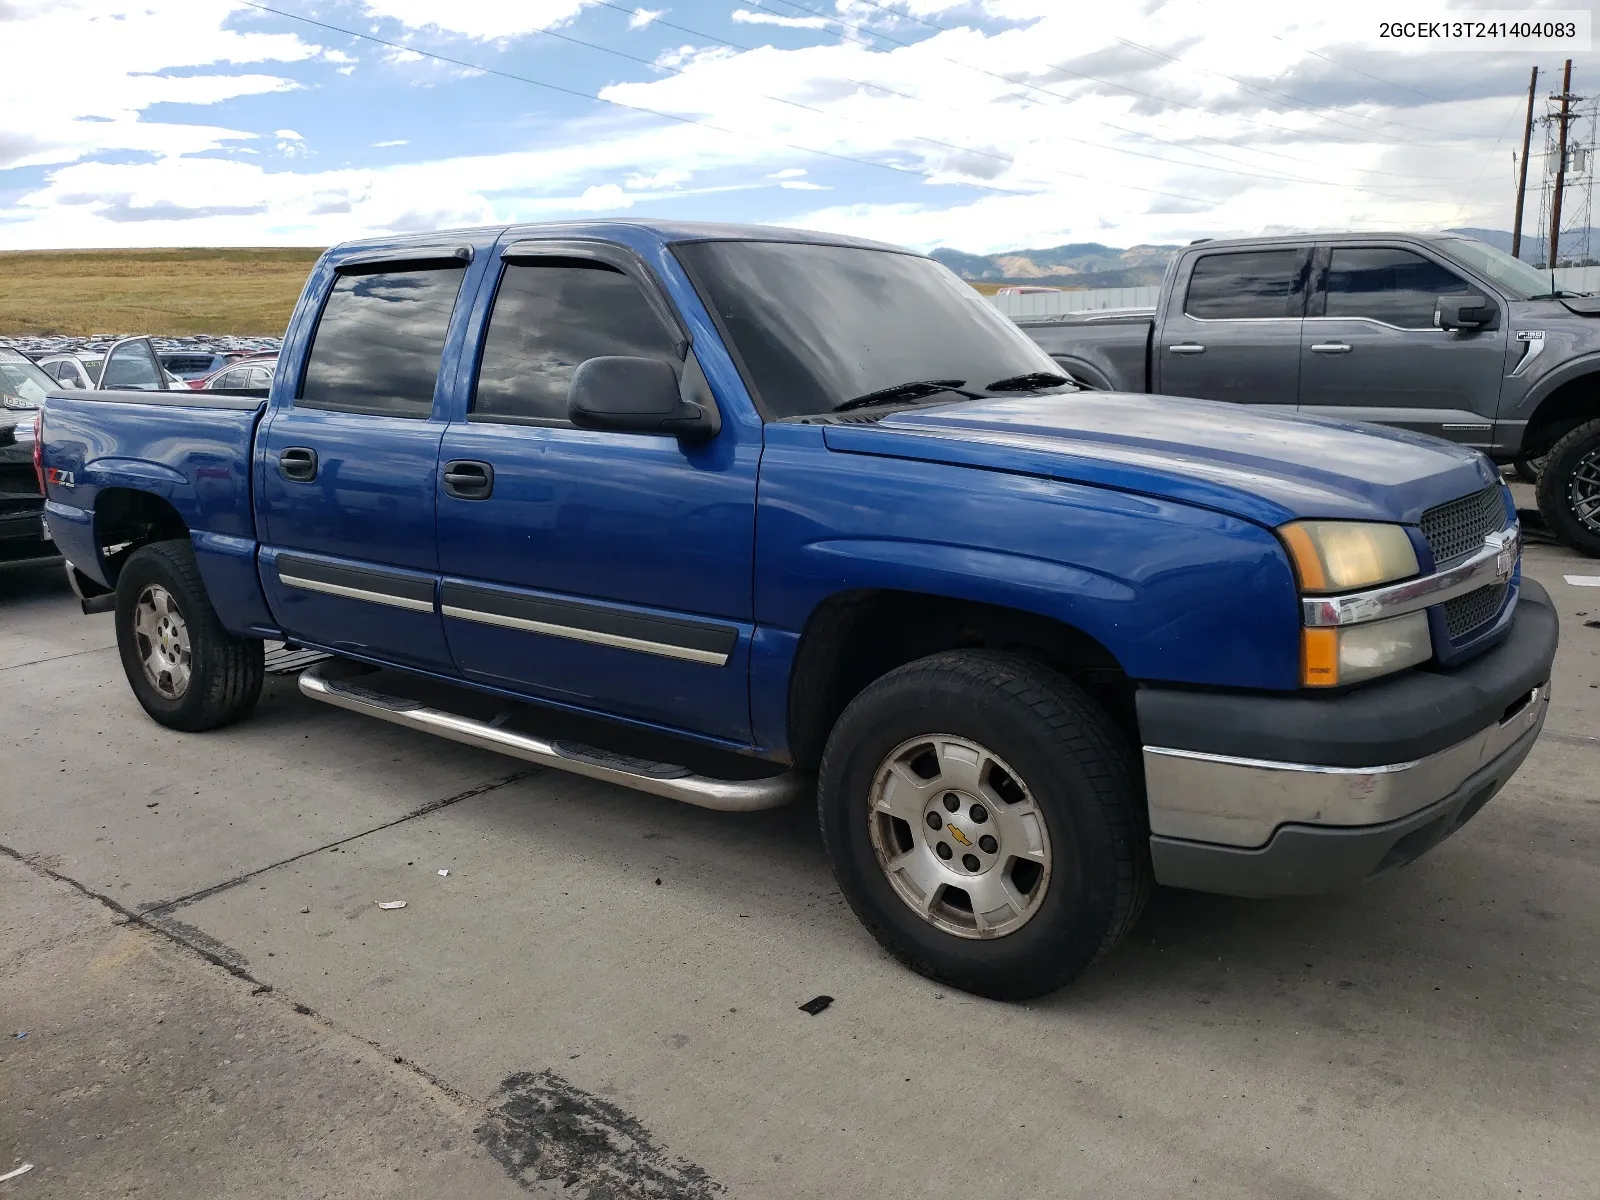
column 456, row 62
column 1376, row 78
column 582, row 95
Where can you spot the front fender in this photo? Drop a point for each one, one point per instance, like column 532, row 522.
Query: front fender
column 1175, row 593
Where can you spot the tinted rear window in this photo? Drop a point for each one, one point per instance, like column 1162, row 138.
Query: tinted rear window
column 1253, row 283
column 378, row 345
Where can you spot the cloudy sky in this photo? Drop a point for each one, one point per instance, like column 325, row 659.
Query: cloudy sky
column 979, row 124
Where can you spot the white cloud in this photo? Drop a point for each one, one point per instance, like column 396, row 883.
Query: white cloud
column 290, row 134
column 745, row 17
column 669, row 178
column 483, row 19
column 392, row 142
column 643, row 16
column 1026, row 115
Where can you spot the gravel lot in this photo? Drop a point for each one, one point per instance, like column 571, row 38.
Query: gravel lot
column 600, row 998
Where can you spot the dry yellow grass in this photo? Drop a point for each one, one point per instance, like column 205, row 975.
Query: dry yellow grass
column 166, row 293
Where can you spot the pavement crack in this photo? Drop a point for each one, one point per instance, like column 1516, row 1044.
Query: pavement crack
column 34, row 662
column 213, row 952
column 167, row 906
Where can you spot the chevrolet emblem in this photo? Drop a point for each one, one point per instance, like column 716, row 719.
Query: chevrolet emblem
column 958, row 835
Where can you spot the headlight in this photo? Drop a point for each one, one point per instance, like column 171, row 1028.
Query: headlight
column 1345, row 556
column 1337, row 657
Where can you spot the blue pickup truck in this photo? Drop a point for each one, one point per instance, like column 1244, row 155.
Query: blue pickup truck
column 735, row 515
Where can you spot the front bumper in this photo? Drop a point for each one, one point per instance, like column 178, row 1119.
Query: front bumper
column 1350, row 785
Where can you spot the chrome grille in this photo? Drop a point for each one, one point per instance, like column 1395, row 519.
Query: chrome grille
column 1476, row 609
column 1456, row 529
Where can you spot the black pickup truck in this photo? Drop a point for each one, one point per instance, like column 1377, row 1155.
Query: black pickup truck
column 1435, row 333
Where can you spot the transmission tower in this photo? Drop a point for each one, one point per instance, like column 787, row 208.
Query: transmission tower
column 1571, row 132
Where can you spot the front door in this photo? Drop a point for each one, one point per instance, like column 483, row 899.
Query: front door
column 1232, row 328
column 1370, row 349
column 608, row 571
column 347, row 478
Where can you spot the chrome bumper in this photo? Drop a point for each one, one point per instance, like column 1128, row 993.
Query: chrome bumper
column 1241, row 802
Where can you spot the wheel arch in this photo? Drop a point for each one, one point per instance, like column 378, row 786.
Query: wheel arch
column 127, row 518
column 854, row 637
column 1572, row 400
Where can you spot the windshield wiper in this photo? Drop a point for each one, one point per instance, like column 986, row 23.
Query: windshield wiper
column 914, row 390
column 1034, row 381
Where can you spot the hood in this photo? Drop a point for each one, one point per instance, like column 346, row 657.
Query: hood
column 1266, row 467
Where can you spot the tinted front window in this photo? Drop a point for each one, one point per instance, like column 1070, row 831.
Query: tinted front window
column 1396, row 287
column 817, row 325
column 550, row 316
column 378, row 344
column 1255, row 283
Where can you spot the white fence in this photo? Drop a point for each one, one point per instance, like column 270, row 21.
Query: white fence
column 1041, row 306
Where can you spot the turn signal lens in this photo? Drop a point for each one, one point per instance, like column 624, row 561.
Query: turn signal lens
column 1339, row 657
column 1343, row 556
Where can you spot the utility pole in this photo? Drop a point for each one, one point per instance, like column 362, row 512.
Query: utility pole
column 1561, row 165
column 1522, row 169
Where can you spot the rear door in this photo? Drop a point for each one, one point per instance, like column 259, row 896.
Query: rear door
column 609, row 571
column 347, row 486
column 1371, row 351
column 1231, row 329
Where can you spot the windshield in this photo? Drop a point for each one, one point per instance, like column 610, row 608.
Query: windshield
column 1512, row 274
column 816, row 326
column 22, row 385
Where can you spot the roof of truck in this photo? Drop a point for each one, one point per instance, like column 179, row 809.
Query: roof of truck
column 1338, row 236
column 667, row 231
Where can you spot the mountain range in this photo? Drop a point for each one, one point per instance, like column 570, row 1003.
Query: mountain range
column 1092, row 265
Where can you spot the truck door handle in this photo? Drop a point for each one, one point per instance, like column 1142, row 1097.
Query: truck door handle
column 1330, row 348
column 1187, row 348
column 468, row 480
column 298, row 464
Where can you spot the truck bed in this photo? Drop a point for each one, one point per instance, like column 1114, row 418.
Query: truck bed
column 1107, row 349
column 190, row 449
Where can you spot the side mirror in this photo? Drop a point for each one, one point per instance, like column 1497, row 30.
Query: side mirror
column 639, row 395
column 1464, row 312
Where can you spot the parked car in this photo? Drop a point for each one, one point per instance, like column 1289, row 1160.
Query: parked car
column 22, row 391
column 689, row 509
column 249, row 374
column 189, row 365
column 1435, row 333
column 1026, row 289
column 73, row 370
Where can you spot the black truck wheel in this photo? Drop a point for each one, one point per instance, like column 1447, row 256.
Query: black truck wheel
column 1569, row 489
column 981, row 816
column 186, row 670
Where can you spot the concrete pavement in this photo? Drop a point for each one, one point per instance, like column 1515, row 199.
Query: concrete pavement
column 600, row 999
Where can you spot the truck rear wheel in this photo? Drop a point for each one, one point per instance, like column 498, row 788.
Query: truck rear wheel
column 980, row 813
column 186, row 670
column 1569, row 489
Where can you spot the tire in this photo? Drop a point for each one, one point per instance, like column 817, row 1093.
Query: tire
column 1569, row 489
column 201, row 675
column 1061, row 762
column 1528, row 469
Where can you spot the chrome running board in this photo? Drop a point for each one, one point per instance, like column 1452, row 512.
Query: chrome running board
column 659, row 779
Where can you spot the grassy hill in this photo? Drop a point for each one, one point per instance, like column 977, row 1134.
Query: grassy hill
column 166, row 293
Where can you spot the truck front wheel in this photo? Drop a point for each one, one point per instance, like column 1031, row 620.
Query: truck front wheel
column 980, row 812
column 186, row 670
column 1569, row 489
